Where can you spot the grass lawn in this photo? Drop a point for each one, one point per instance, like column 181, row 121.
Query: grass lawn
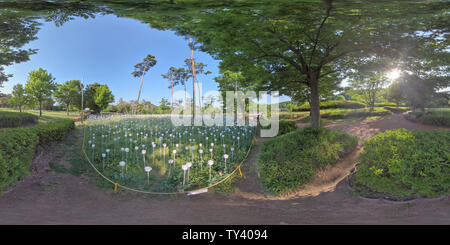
column 47, row 116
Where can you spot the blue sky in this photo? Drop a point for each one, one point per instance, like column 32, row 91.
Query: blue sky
column 105, row 50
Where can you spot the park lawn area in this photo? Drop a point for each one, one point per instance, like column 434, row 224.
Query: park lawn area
column 47, row 116
column 11, row 119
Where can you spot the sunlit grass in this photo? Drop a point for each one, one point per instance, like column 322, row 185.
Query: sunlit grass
column 48, row 116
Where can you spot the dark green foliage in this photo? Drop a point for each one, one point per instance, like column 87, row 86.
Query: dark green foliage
column 286, row 126
column 396, row 109
column 332, row 104
column 16, row 153
column 343, row 113
column 54, row 131
column 432, row 117
column 349, row 113
column 18, row 145
column 16, row 119
column 405, row 163
column 436, row 119
column 289, row 161
column 384, row 104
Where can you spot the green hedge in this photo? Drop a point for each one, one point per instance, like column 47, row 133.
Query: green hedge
column 17, row 147
column 347, row 104
column 16, row 153
column 350, row 113
column 383, row 104
column 10, row 119
column 289, row 161
column 431, row 117
column 54, row 131
column 395, row 109
column 345, row 113
column 404, row 164
column 285, row 126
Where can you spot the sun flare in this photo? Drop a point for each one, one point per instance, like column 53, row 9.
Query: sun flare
column 393, row 74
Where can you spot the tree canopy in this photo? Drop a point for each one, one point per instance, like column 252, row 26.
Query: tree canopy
column 40, row 86
column 302, row 49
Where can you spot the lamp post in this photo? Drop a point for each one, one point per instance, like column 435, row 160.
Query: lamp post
column 210, row 163
column 148, row 169
column 143, row 152
column 122, row 164
column 225, row 156
column 201, row 159
column 184, row 167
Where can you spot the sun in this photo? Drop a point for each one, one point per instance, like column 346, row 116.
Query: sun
column 393, row 74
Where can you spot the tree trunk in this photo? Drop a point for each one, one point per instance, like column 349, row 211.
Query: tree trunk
column 185, row 94
column 67, row 109
column 372, row 103
column 315, row 103
column 171, row 85
column 20, row 108
column 40, row 108
column 193, row 78
column 140, row 88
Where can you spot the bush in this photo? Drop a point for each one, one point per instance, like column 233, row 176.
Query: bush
column 395, row 109
column 292, row 115
column 404, row 164
column 343, row 113
column 349, row 113
column 437, row 117
column 332, row 104
column 17, row 146
column 289, row 161
column 383, row 104
column 16, row 119
column 53, row 131
column 286, row 126
column 16, row 153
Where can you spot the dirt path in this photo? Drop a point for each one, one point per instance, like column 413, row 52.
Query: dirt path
column 48, row 197
column 368, row 128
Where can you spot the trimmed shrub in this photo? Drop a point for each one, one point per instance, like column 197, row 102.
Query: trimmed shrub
column 438, row 118
column 345, row 113
column 292, row 115
column 383, row 104
column 395, row 109
column 351, row 113
column 53, row 131
column 347, row 104
column 17, row 147
column 289, row 161
column 286, row 126
column 10, row 119
column 404, row 164
column 431, row 117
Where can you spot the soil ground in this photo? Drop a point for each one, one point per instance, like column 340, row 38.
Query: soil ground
column 51, row 197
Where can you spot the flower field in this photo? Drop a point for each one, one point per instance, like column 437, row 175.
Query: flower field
column 151, row 154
